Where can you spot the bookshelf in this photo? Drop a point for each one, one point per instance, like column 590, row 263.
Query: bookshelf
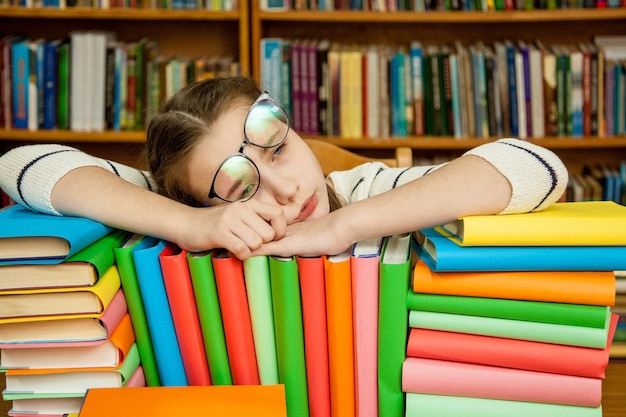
column 564, row 26
column 187, row 33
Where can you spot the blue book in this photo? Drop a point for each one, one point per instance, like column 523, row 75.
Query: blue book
column 49, row 83
column 20, row 72
column 442, row 254
column 28, row 237
column 512, row 83
column 158, row 314
column 271, row 62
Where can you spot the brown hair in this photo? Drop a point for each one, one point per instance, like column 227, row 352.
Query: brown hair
column 186, row 118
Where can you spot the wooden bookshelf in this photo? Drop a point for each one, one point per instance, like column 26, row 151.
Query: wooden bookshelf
column 566, row 26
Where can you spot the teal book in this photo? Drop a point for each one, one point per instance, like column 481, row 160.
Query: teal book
column 130, row 285
column 287, row 304
column 28, row 237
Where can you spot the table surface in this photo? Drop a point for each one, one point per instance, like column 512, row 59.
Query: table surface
column 613, row 391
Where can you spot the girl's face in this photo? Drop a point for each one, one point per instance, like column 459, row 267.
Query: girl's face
column 290, row 175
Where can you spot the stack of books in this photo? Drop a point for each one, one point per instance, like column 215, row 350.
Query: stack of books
column 64, row 323
column 511, row 315
column 618, row 348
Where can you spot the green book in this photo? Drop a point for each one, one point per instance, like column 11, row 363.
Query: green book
column 395, row 267
column 128, row 277
column 287, row 306
column 205, row 290
column 534, row 311
column 63, row 86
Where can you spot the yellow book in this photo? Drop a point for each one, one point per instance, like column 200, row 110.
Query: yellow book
column 584, row 223
column 32, row 304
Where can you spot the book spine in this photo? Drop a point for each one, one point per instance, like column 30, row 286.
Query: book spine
column 50, row 86
column 20, row 62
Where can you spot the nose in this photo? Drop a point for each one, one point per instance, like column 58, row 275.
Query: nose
column 281, row 186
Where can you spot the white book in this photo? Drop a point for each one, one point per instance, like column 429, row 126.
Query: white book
column 536, row 92
column 373, row 91
column 521, row 104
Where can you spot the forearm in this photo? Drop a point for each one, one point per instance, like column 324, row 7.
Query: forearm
column 466, row 186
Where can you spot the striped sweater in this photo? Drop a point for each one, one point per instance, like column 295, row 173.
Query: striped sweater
column 537, row 176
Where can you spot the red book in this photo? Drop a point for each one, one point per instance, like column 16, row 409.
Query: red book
column 231, row 291
column 182, row 303
column 315, row 333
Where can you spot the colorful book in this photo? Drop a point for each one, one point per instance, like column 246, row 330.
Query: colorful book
column 234, row 401
column 442, row 253
column 81, row 269
column 449, row 406
column 311, row 272
column 130, row 284
column 159, row 317
column 30, row 237
column 230, row 281
column 440, row 377
column 287, row 305
column 535, row 311
column 30, row 304
column 586, row 223
column 207, row 302
column 98, row 353
column 340, row 333
column 52, row 329
column 395, row 267
column 258, row 289
column 20, row 75
column 514, row 329
column 364, row 267
column 182, row 302
column 511, row 353
column 570, row 287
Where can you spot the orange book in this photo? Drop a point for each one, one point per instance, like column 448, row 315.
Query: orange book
column 177, row 280
column 340, row 342
column 208, row 401
column 573, row 287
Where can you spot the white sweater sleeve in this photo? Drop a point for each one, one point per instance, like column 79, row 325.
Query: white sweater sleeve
column 29, row 173
column 537, row 176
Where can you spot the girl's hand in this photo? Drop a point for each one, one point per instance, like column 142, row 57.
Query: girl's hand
column 239, row 228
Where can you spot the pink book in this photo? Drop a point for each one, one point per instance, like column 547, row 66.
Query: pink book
column 428, row 376
column 364, row 268
column 518, row 354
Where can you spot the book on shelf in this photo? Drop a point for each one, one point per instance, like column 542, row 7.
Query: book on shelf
column 80, row 269
column 182, row 302
column 210, row 315
column 30, row 237
column 442, row 377
column 287, row 307
column 235, row 401
column 69, row 381
column 440, row 250
column 564, row 224
column 98, row 353
column 29, row 304
column 53, row 329
column 230, row 282
column 258, row 289
column 511, row 353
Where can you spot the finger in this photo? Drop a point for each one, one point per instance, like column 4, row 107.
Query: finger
column 274, row 216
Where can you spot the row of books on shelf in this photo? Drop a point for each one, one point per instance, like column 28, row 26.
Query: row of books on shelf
column 522, row 89
column 215, row 5
column 89, row 81
column 601, row 182
column 385, row 328
column 436, row 5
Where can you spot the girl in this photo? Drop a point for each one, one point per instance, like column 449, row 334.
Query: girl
column 230, row 173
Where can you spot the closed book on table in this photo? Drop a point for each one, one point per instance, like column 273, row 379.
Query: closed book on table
column 511, row 353
column 31, row 237
column 182, row 302
column 130, row 284
column 575, row 287
column 232, row 401
column 429, row 376
column 210, row 316
column 597, row 223
column 287, row 305
column 31, row 304
column 231, row 290
column 83, row 328
column 81, row 269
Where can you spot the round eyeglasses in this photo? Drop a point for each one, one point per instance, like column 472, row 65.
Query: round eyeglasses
column 266, row 126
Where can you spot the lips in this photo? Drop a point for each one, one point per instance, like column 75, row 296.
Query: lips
column 307, row 208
